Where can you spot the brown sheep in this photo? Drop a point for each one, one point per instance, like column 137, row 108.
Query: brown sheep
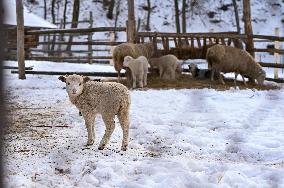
column 226, row 59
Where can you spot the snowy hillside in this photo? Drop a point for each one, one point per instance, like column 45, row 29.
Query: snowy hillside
column 212, row 14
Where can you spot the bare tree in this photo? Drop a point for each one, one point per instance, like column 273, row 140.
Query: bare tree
column 75, row 18
column 45, row 12
column 184, row 6
column 237, row 16
column 52, row 11
column 110, row 9
column 177, row 16
column 64, row 13
column 147, row 28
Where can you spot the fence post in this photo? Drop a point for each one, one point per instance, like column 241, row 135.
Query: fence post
column 20, row 39
column 61, row 38
column 90, row 38
column 130, row 23
column 276, row 55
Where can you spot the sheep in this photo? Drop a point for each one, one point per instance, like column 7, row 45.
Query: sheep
column 225, row 59
column 167, row 66
column 105, row 98
column 139, row 70
column 200, row 73
column 130, row 49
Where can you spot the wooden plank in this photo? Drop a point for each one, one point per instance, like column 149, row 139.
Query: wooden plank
column 69, row 57
column 11, row 67
column 275, row 80
column 271, row 65
column 270, row 50
column 76, row 30
column 99, row 74
column 84, row 43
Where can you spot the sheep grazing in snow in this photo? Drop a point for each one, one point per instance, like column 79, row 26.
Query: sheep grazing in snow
column 139, row 70
column 105, row 98
column 167, row 65
column 133, row 50
column 225, row 59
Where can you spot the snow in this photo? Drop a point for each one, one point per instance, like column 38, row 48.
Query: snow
column 30, row 19
column 178, row 138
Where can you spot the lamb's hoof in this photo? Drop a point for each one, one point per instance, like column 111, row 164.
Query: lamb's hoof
column 101, row 147
column 89, row 143
column 123, row 148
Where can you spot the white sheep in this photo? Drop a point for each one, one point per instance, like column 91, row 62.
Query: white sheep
column 226, row 59
column 105, row 98
column 130, row 49
column 139, row 70
column 167, row 65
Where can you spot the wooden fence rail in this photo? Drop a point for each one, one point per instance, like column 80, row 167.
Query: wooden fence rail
column 76, row 30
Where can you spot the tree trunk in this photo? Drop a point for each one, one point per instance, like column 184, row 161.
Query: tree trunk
column 110, row 9
column 75, row 18
column 184, row 5
column 64, row 13
column 177, row 16
column 52, row 11
column 248, row 27
column 20, row 39
column 237, row 16
column 147, row 28
column 45, row 14
column 117, row 11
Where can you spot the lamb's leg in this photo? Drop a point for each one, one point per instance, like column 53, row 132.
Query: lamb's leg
column 221, row 78
column 89, row 122
column 244, row 80
column 123, row 117
column 161, row 72
column 109, row 124
column 212, row 74
column 133, row 81
column 118, row 76
column 172, row 74
column 235, row 81
column 145, row 79
column 140, row 80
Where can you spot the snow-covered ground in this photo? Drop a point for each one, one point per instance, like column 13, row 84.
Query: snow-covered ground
column 178, row 138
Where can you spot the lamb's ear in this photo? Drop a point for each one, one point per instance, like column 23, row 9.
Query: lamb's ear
column 62, row 78
column 86, row 79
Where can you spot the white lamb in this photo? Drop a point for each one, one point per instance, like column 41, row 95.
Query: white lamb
column 139, row 70
column 105, row 98
column 167, row 65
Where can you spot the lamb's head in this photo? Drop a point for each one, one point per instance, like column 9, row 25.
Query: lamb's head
column 74, row 84
column 126, row 61
column 261, row 77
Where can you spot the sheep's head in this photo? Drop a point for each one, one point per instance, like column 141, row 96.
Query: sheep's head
column 74, row 84
column 126, row 61
column 261, row 77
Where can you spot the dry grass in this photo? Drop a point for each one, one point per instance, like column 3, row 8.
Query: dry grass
column 187, row 82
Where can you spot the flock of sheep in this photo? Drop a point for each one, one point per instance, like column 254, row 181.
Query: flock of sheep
column 112, row 99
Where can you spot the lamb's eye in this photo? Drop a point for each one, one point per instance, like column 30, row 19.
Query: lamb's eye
column 68, row 83
column 79, row 84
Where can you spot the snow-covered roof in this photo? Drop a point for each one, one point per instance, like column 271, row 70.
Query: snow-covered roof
column 30, row 19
